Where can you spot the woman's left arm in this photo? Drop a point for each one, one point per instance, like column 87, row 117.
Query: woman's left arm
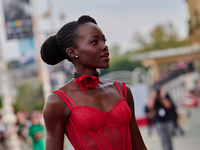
column 136, row 138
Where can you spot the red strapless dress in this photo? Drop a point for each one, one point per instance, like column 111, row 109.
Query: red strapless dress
column 91, row 129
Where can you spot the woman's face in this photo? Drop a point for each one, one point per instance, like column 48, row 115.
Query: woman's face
column 91, row 48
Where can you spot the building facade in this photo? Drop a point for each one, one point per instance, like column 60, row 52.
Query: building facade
column 194, row 21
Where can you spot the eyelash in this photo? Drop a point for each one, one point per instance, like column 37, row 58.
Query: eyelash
column 104, row 41
column 96, row 41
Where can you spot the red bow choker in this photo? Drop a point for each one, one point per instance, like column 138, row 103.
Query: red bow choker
column 86, row 81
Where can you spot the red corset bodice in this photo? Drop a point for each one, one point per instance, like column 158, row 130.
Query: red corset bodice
column 91, row 129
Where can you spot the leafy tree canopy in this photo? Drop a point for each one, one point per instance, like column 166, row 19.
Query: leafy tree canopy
column 29, row 97
column 161, row 37
column 13, row 64
column 119, row 62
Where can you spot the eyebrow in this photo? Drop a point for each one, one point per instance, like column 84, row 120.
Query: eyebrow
column 93, row 36
column 96, row 36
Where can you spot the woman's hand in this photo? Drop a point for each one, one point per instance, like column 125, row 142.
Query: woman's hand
column 38, row 135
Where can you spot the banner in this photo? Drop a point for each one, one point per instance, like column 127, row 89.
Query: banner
column 27, row 47
column 18, row 20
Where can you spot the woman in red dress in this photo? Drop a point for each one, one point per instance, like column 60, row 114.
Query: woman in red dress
column 94, row 113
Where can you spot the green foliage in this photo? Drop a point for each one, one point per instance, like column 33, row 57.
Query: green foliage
column 1, row 102
column 161, row 37
column 29, row 97
column 120, row 62
column 13, row 64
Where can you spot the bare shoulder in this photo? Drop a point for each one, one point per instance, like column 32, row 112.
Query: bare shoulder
column 128, row 93
column 107, row 82
column 55, row 107
column 122, row 85
column 53, row 100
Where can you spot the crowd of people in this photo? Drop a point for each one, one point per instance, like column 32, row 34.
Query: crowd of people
column 30, row 130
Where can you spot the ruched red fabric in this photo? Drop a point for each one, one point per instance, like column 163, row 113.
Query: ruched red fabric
column 91, row 129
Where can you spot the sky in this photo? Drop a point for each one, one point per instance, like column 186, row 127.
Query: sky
column 118, row 19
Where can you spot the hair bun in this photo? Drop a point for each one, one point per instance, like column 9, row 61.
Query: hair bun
column 86, row 18
column 50, row 52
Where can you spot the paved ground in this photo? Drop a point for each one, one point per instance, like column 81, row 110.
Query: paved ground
column 189, row 141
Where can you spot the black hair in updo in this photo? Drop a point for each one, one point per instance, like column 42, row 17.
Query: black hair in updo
column 53, row 50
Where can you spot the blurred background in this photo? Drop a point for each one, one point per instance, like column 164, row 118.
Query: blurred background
column 152, row 44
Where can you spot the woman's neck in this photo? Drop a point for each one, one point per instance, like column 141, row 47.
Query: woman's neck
column 76, row 75
column 87, row 72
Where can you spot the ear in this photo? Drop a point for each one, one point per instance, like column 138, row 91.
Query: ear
column 71, row 52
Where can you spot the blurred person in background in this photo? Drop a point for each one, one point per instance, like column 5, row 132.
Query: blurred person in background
column 23, row 130
column 36, row 131
column 2, row 130
column 5, row 133
column 197, row 88
column 177, row 128
column 191, row 99
column 149, row 116
column 99, row 113
column 164, row 117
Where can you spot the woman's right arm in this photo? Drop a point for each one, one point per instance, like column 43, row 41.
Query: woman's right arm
column 55, row 113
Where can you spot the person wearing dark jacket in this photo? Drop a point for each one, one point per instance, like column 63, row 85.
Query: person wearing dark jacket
column 163, row 119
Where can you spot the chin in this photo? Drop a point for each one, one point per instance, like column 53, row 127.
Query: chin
column 103, row 66
column 106, row 67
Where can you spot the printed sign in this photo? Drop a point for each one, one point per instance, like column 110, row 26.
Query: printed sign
column 18, row 20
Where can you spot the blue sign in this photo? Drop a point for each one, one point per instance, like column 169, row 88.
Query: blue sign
column 27, row 46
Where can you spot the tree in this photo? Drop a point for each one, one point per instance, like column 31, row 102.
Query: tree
column 1, row 102
column 29, row 97
column 161, row 37
column 13, row 64
column 119, row 63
